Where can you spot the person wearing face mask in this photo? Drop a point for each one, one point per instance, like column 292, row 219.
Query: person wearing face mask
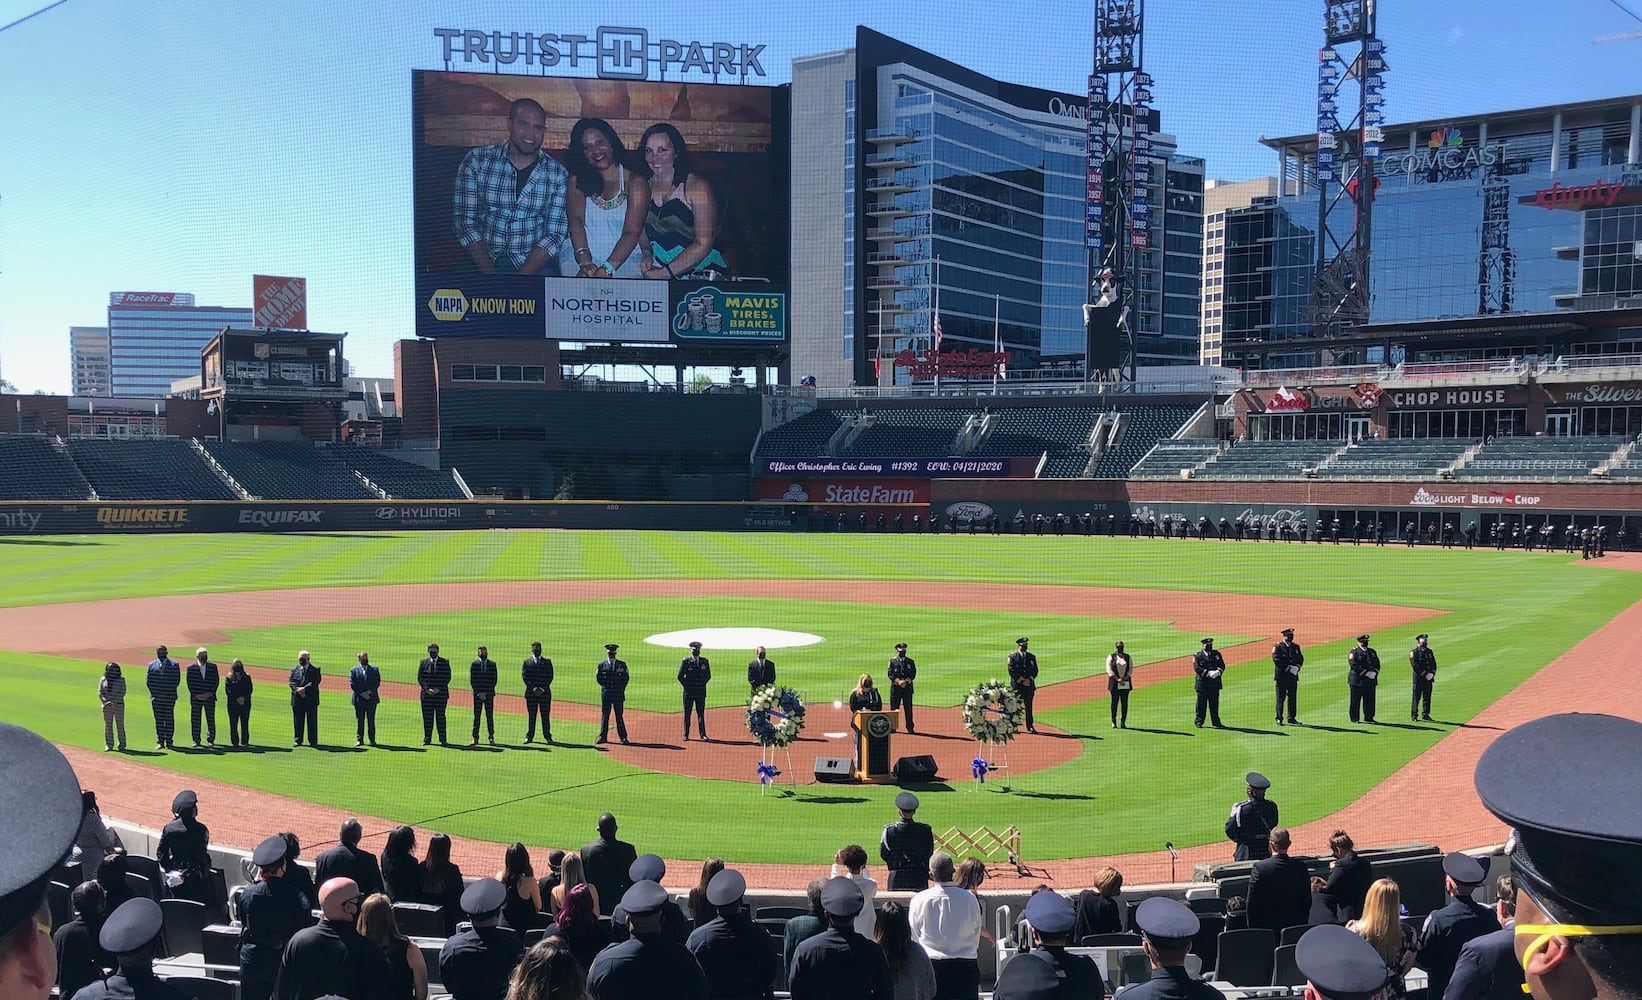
column 305, row 700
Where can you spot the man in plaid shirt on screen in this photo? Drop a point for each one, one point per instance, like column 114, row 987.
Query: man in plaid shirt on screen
column 510, row 199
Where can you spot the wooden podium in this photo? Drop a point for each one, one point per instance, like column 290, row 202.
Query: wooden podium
column 872, row 748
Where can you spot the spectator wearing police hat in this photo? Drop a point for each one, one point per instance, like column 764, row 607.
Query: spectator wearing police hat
column 1023, row 675
column 612, row 677
column 646, row 966
column 736, row 955
column 332, row 957
column 271, row 911
column 184, row 851
column 1167, row 927
column 1286, row 660
column 1487, row 968
column 39, row 816
column 608, row 864
column 675, row 927
column 1566, row 785
column 694, row 671
column 1362, row 678
column 838, row 962
column 906, row 847
column 1423, row 664
column 130, row 933
column 1251, row 821
column 1210, row 670
column 1447, row 930
column 477, row 963
column 1048, row 971
column 902, row 672
column 1339, row 965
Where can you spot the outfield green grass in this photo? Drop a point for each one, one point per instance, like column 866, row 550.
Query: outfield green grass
column 1505, row 616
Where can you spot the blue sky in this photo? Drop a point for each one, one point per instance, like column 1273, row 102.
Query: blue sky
column 185, row 145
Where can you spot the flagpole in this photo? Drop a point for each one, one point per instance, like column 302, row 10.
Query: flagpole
column 935, row 325
column 997, row 339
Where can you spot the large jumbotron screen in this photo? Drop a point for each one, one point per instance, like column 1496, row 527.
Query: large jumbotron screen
column 510, row 247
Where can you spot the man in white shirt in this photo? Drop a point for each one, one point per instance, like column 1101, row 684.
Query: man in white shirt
column 851, row 863
column 946, row 921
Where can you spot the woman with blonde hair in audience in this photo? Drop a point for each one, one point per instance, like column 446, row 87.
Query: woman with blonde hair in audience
column 571, row 874
column 407, row 969
column 548, row 971
column 702, row 911
column 1097, row 909
column 1381, row 926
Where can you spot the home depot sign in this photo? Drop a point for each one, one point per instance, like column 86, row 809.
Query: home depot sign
column 279, row 303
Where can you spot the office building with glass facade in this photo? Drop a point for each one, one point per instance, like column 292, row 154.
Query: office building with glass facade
column 89, row 361
column 154, row 338
column 1520, row 212
column 923, row 188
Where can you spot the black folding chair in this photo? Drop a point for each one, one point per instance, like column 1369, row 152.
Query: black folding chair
column 779, row 912
column 1212, row 905
column 1284, row 972
column 1292, row 935
column 185, row 922
column 419, row 919
column 1244, row 958
column 1205, row 945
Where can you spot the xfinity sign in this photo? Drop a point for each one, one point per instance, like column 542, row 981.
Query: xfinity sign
column 614, row 53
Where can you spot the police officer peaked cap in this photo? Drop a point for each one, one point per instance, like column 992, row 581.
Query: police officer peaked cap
column 901, row 646
column 40, row 797
column 1422, row 635
column 1362, row 638
column 132, row 926
column 186, row 799
column 1255, row 779
column 726, row 887
column 644, row 898
column 1167, row 922
column 1287, row 632
column 906, row 802
column 611, row 647
column 1340, row 964
column 1206, row 640
column 270, row 852
column 1462, row 868
column 1050, row 913
column 841, row 897
column 647, row 867
column 1579, row 837
column 484, row 896
column 1023, row 640
column 695, row 644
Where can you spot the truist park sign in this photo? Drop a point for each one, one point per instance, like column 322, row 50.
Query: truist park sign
column 613, row 53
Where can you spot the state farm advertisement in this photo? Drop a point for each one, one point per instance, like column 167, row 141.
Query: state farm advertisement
column 851, row 492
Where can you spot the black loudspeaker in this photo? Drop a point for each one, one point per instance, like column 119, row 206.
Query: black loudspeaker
column 920, row 768
column 834, row 769
column 1102, row 338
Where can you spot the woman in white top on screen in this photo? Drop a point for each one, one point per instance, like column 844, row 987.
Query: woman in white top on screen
column 605, row 206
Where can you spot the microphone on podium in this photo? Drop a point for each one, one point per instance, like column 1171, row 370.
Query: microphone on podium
column 1168, row 845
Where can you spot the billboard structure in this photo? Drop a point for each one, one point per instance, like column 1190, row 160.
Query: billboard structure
column 531, row 222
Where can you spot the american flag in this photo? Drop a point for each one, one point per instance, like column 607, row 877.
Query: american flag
column 937, row 328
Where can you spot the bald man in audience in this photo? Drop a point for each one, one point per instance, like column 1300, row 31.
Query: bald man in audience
column 332, row 957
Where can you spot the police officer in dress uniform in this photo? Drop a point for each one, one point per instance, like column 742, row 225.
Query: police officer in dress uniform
column 1210, row 668
column 1023, row 676
column 1286, row 660
column 647, row 966
column 304, row 683
column 537, row 674
column 1167, row 927
column 675, row 926
column 736, row 955
column 477, row 963
column 1339, row 964
column 1423, row 662
column 903, row 671
column 185, row 848
column 365, row 683
column 839, row 962
column 203, row 681
column 1048, row 972
column 482, row 677
column 1578, row 930
column 271, row 912
column 694, row 671
column 433, row 683
column 760, row 671
column 1363, row 677
column 1251, row 821
column 612, row 678
column 164, row 676
column 906, row 847
column 39, row 818
column 1447, row 930
column 130, row 934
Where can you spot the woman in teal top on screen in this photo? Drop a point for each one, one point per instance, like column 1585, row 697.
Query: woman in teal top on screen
column 682, row 221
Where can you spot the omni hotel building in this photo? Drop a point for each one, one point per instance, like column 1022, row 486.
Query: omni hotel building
column 901, row 157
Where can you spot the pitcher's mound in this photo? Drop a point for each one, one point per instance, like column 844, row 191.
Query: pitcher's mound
column 734, row 638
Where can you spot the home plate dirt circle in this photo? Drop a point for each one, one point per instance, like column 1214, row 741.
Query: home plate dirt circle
column 734, row 637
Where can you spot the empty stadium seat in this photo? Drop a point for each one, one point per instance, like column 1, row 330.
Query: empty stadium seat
column 164, row 469
column 1394, row 458
column 802, row 437
column 288, row 470
column 1268, row 459
column 400, row 480
column 31, row 468
column 1518, row 458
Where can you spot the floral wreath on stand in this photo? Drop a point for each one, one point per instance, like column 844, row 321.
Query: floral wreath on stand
column 993, row 715
column 775, row 717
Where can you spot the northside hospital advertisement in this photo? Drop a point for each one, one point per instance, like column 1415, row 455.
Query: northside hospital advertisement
column 467, row 186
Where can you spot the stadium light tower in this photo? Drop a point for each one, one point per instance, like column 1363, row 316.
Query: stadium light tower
column 1119, row 165
column 1350, row 76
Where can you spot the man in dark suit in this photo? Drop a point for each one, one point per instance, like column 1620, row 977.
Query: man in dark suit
column 760, row 670
column 537, row 674
column 1447, row 930
column 433, row 681
column 1487, row 968
column 365, row 681
column 1279, row 887
column 305, row 700
column 1348, row 878
column 606, row 862
column 482, row 677
column 202, row 682
column 347, row 860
